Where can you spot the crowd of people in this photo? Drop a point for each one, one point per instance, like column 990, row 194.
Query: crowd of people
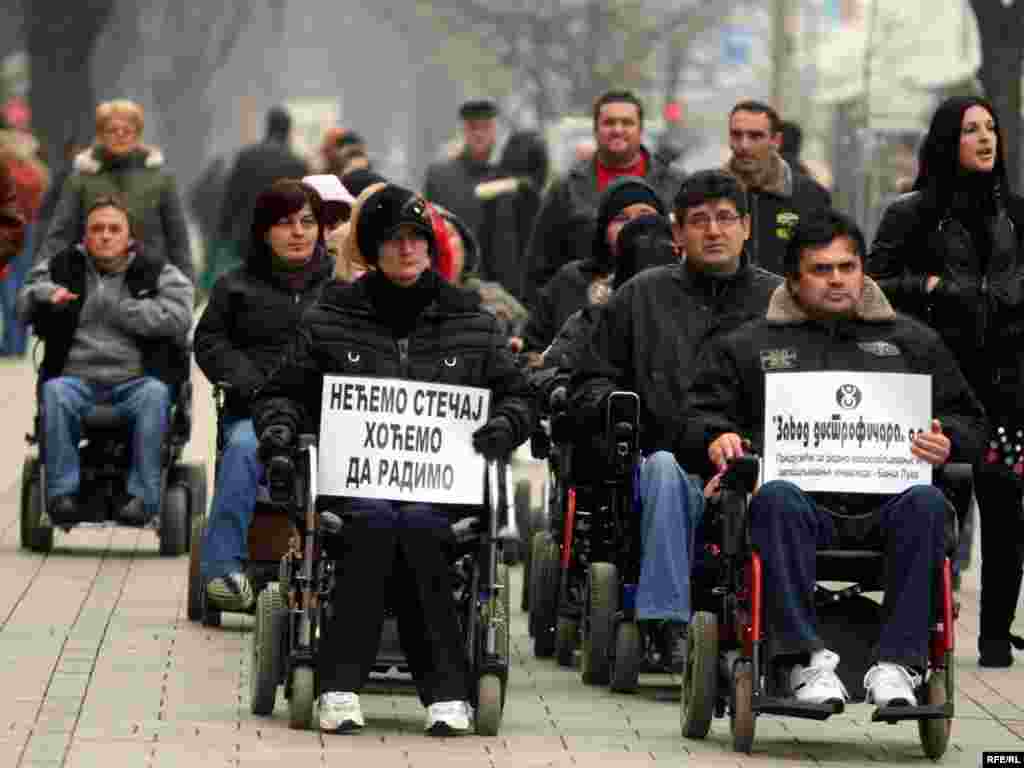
column 620, row 274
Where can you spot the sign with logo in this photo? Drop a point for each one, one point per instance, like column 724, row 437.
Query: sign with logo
column 401, row 440
column 844, row 431
column 785, row 223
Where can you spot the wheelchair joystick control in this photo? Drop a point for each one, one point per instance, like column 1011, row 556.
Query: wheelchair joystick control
column 330, row 524
column 280, row 475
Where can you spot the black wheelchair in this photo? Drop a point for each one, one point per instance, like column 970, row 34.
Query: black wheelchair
column 725, row 670
column 291, row 610
column 269, row 538
column 105, row 456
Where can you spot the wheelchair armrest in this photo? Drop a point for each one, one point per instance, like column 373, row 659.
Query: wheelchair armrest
column 742, row 473
column 306, row 439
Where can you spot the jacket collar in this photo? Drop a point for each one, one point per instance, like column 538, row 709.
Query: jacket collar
column 777, row 179
column 873, row 306
column 92, row 160
column 588, row 168
column 450, row 299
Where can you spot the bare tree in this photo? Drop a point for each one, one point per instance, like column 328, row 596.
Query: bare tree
column 60, row 38
column 1000, row 25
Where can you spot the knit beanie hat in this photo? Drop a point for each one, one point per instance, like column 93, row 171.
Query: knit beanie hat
column 384, row 212
column 620, row 194
column 359, row 179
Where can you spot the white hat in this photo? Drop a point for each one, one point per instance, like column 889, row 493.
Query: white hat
column 330, row 188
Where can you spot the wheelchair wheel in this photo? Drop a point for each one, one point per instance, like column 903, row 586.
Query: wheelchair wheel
column 174, row 521
column 488, row 705
column 935, row 733
column 300, row 703
column 598, row 623
column 34, row 537
column 195, row 577
column 741, row 707
column 566, row 639
column 193, row 477
column 700, row 676
column 547, row 578
column 629, row 648
column 265, row 672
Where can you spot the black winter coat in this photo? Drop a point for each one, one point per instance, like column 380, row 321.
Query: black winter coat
column 728, row 391
column 248, row 325
column 453, row 185
column 574, row 287
column 506, row 224
column 978, row 305
column 453, row 341
column 648, row 337
column 564, row 229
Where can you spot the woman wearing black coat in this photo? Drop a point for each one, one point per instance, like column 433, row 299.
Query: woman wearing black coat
column 950, row 253
column 401, row 320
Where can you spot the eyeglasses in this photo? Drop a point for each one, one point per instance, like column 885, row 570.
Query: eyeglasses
column 702, row 221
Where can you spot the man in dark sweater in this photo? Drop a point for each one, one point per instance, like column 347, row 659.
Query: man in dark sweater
column 111, row 319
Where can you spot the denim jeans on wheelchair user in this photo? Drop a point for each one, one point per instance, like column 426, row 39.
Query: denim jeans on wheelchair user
column 671, row 508
column 15, row 336
column 225, row 546
column 146, row 401
column 787, row 528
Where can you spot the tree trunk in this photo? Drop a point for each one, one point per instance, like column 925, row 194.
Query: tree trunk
column 1002, row 54
column 60, row 39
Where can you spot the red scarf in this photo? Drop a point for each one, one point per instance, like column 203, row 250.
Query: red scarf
column 606, row 175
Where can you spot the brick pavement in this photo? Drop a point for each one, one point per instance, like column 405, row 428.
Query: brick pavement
column 99, row 667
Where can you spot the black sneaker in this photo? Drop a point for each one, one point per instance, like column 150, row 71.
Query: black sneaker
column 672, row 644
column 63, row 509
column 133, row 512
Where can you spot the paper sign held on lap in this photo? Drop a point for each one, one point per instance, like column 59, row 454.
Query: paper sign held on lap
column 848, row 432
column 401, row 440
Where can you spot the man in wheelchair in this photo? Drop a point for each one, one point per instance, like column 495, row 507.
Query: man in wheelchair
column 828, row 316
column 114, row 321
column 401, row 320
column 646, row 341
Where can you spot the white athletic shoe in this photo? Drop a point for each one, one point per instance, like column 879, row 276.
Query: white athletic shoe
column 447, row 718
column 340, row 712
column 818, row 682
column 890, row 685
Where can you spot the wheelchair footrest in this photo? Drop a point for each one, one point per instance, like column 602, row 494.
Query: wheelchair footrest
column 894, row 715
column 770, row 705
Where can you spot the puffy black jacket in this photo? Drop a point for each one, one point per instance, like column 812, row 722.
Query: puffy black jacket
column 728, row 392
column 978, row 305
column 578, row 284
column 648, row 337
column 453, row 341
column 248, row 324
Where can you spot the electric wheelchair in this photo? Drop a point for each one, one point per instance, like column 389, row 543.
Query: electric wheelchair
column 291, row 610
column 270, row 533
column 105, row 459
column 726, row 672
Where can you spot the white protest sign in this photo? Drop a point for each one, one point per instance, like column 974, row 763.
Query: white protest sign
column 401, row 440
column 846, row 431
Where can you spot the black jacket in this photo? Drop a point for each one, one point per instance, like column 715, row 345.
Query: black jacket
column 648, row 337
column 453, row 185
column 578, row 284
column 564, row 229
column 774, row 214
column 506, row 223
column 452, row 342
column 728, row 392
column 248, row 324
column 978, row 305
column 164, row 358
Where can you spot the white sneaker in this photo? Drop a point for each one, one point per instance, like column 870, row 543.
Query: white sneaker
column 818, row 682
column 447, row 718
column 340, row 712
column 891, row 685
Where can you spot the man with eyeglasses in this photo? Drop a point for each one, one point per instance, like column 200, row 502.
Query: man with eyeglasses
column 777, row 194
column 647, row 341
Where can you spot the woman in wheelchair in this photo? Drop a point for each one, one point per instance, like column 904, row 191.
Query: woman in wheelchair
column 114, row 320
column 401, row 320
column 829, row 316
column 248, row 323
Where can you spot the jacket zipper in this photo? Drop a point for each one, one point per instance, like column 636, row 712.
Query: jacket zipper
column 403, row 357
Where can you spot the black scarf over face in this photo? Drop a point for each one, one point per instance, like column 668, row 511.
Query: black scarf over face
column 399, row 307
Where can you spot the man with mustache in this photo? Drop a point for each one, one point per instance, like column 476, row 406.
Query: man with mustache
column 828, row 316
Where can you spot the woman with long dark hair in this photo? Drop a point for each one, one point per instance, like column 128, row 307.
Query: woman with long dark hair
column 949, row 252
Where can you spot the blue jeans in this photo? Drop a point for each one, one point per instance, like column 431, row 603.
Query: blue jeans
column 145, row 401
column 15, row 338
column 671, row 508
column 787, row 528
column 225, row 545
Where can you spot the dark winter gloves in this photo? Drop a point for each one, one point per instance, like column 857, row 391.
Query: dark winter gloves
column 276, row 440
column 496, row 439
column 275, row 453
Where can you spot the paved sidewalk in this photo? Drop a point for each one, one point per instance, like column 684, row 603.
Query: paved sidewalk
column 100, row 668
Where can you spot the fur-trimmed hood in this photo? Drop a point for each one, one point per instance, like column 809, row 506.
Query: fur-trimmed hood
column 777, row 178
column 351, row 261
column 94, row 159
column 873, row 306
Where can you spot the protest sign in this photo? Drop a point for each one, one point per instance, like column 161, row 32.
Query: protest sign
column 401, row 440
column 846, row 431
